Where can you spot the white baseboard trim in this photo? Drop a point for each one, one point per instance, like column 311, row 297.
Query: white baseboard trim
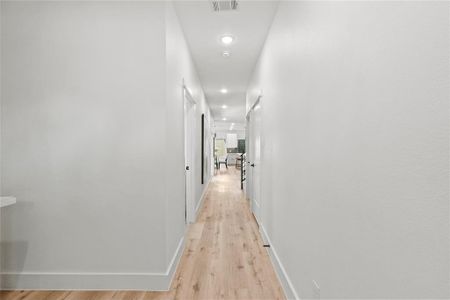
column 93, row 281
column 202, row 198
column 172, row 267
column 286, row 283
column 84, row 281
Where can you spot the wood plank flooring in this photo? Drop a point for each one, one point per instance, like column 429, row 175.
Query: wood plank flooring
column 223, row 258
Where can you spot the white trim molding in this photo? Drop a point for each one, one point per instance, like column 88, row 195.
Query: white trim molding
column 93, row 281
column 286, row 283
column 172, row 267
column 202, row 198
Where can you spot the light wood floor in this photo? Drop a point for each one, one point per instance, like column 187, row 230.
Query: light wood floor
column 223, row 258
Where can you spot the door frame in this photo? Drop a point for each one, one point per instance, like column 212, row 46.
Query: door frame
column 189, row 127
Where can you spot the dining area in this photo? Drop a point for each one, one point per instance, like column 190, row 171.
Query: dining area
column 229, row 152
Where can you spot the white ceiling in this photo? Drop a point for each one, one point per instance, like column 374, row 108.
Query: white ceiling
column 203, row 28
column 221, row 126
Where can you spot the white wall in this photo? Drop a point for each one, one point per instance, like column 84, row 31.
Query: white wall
column 223, row 134
column 181, row 67
column 91, row 133
column 356, row 147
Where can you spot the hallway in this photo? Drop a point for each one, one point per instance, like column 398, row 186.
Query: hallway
column 223, row 257
column 115, row 115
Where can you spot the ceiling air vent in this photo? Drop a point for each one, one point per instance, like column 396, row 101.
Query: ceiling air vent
column 224, row 5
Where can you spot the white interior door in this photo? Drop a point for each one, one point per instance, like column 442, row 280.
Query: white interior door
column 249, row 157
column 189, row 138
column 254, row 166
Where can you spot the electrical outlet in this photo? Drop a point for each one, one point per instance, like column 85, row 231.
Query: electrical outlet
column 316, row 290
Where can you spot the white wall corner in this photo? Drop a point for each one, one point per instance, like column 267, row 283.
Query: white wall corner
column 286, row 283
column 172, row 267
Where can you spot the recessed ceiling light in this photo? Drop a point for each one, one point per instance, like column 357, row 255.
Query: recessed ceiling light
column 232, row 124
column 224, row 91
column 227, row 39
column 224, row 106
column 224, row 119
column 226, row 54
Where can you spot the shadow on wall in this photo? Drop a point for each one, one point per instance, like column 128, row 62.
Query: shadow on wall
column 13, row 253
